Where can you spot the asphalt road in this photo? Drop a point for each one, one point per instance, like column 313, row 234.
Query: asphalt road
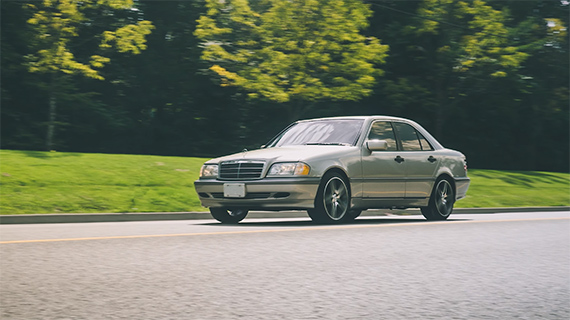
column 484, row 266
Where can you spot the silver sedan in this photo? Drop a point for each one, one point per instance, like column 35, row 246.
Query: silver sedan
column 335, row 168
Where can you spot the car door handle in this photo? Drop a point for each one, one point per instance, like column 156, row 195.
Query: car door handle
column 432, row 159
column 399, row 159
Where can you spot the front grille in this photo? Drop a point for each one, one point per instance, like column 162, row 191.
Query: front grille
column 242, row 169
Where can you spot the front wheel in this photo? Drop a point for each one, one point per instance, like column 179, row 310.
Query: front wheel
column 441, row 201
column 351, row 215
column 228, row 216
column 332, row 203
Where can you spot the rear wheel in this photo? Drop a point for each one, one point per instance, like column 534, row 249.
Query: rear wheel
column 228, row 216
column 441, row 201
column 332, row 203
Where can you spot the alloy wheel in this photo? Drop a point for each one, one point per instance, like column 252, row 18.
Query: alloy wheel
column 444, row 197
column 336, row 198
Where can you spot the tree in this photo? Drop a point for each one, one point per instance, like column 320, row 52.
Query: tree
column 449, row 41
column 292, row 52
column 486, row 77
column 56, row 23
column 169, row 105
column 542, row 87
column 457, row 65
column 19, row 128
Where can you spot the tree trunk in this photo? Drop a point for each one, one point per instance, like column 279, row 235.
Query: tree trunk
column 52, row 115
column 440, row 110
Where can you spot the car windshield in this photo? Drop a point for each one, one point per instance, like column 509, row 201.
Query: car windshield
column 320, row 132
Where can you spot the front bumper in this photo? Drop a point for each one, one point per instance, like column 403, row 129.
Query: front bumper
column 264, row 194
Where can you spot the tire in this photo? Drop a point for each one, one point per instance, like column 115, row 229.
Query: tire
column 351, row 215
column 228, row 216
column 332, row 203
column 441, row 202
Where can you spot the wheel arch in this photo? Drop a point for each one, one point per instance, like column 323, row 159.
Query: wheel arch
column 341, row 172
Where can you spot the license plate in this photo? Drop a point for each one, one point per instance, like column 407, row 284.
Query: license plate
column 234, row 190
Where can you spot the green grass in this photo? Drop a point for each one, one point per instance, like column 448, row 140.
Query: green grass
column 56, row 182
column 492, row 188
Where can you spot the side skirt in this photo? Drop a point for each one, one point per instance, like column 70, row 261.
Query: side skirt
column 386, row 203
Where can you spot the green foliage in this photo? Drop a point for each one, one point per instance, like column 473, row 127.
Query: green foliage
column 469, row 71
column 56, row 23
column 129, row 38
column 483, row 39
column 59, row 182
column 292, row 50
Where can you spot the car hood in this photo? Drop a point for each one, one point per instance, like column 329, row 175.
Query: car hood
column 287, row 154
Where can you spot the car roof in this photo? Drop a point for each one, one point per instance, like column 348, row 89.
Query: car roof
column 357, row 118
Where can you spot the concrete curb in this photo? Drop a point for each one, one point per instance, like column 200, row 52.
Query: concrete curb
column 124, row 217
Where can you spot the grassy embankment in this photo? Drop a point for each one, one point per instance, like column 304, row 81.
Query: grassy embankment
column 55, row 182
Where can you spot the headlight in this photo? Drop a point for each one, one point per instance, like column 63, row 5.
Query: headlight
column 289, row 169
column 209, row 171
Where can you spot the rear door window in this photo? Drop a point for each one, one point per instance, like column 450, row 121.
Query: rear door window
column 409, row 137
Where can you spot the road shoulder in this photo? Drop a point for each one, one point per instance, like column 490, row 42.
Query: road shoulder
column 124, row 217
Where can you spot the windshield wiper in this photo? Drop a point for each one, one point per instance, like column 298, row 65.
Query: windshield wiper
column 326, row 144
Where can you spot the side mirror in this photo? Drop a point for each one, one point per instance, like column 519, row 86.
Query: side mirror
column 377, row 145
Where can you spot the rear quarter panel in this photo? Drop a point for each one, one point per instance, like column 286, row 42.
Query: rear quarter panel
column 453, row 164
